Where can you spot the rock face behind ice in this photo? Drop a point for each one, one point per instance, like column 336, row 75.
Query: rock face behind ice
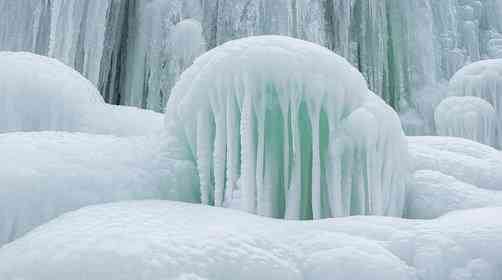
column 39, row 93
column 467, row 117
column 291, row 129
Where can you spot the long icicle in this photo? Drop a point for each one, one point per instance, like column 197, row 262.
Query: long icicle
column 204, row 155
column 248, row 156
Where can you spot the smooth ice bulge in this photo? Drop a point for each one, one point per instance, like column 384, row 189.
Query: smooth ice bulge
column 482, row 79
column 285, row 128
column 467, row 117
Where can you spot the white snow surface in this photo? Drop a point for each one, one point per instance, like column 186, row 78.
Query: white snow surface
column 482, row 79
column 45, row 174
column 291, row 129
column 468, row 161
column 40, row 93
column 468, row 117
column 171, row 240
column 432, row 194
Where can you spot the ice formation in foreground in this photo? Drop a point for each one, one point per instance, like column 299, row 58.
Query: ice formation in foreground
column 56, row 172
column 286, row 128
column 168, row 240
column 482, row 79
column 40, row 93
column 467, row 117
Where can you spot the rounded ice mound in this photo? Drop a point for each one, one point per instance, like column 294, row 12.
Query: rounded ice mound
column 467, row 117
column 41, row 93
column 482, row 79
column 285, row 128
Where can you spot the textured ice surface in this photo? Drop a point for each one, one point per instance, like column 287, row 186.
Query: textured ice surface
column 466, row 160
column 482, row 79
column 41, row 93
column 289, row 129
column 432, row 194
column 168, row 240
column 123, row 46
column 45, row 174
column 468, row 117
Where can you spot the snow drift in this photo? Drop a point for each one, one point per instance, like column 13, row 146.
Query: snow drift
column 467, row 161
column 286, row 128
column 40, row 93
column 468, row 117
column 432, row 194
column 45, row 174
column 168, row 240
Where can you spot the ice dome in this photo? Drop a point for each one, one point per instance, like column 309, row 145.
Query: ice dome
column 40, row 93
column 285, row 128
column 467, row 117
column 482, row 79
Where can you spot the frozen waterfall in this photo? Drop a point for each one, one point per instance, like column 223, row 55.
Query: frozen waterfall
column 406, row 50
column 274, row 132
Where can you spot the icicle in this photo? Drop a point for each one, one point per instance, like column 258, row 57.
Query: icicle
column 315, row 114
column 232, row 147
column 248, row 162
column 204, row 145
column 260, row 153
column 293, row 196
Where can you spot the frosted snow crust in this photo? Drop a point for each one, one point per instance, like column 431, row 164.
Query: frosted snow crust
column 169, row 240
column 40, row 93
column 467, row 161
column 482, row 79
column 56, row 172
column 468, row 117
column 286, row 128
column 432, row 194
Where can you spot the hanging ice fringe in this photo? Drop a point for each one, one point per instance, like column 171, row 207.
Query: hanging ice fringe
column 285, row 128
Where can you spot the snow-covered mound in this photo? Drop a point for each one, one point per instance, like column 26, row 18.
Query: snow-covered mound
column 432, row 194
column 168, row 240
column 40, row 93
column 45, row 174
column 468, row 161
column 468, row 117
column 482, row 79
column 286, row 128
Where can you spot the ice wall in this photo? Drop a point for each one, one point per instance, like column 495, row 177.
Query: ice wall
column 407, row 50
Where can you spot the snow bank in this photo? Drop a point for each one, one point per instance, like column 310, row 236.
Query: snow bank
column 41, row 93
column 169, row 240
column 468, row 117
column 432, row 194
column 287, row 128
column 46, row 174
column 466, row 160
column 484, row 80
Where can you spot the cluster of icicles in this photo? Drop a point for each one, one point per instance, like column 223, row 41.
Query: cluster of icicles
column 285, row 128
